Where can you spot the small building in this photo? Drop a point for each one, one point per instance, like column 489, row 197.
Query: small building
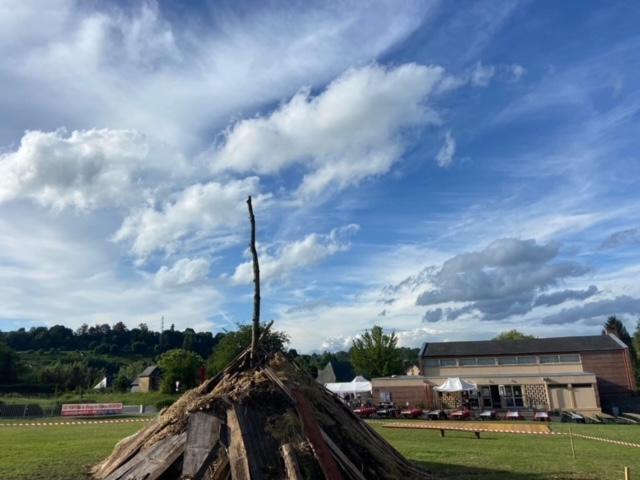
column 148, row 381
column 583, row 373
column 335, row 371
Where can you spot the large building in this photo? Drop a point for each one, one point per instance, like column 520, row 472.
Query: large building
column 584, row 373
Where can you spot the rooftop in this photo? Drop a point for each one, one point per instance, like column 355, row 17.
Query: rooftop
column 519, row 347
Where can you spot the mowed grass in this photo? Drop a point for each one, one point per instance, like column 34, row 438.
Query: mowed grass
column 57, row 452
column 65, row 452
column 459, row 455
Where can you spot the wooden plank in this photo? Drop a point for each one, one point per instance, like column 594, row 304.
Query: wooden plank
column 290, row 462
column 203, row 432
column 151, row 463
column 314, row 434
column 238, row 458
column 342, row 459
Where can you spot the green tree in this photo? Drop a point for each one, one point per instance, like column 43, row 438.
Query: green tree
column 615, row 326
column 233, row 343
column 512, row 335
column 179, row 365
column 8, row 364
column 376, row 354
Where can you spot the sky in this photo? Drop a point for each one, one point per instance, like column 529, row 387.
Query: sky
column 447, row 170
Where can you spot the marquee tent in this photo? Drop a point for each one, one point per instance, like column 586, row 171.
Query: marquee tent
column 456, row 384
column 357, row 385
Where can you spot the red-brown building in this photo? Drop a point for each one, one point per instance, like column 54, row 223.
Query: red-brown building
column 583, row 373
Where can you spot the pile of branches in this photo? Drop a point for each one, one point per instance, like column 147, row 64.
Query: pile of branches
column 261, row 418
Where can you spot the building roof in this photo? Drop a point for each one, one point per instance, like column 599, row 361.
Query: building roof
column 147, row 372
column 519, row 347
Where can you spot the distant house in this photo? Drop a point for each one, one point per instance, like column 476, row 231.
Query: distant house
column 336, row 371
column 148, row 381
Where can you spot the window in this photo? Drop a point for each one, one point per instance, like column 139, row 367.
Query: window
column 448, row 362
column 513, row 395
column 385, row 397
column 526, row 360
column 486, row 361
column 467, row 361
column 570, row 358
column 507, row 361
column 432, row 362
column 549, row 359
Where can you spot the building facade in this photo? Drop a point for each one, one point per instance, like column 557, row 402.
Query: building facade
column 583, row 373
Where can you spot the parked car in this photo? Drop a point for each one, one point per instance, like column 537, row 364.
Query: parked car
column 387, row 410
column 413, row 412
column 365, row 411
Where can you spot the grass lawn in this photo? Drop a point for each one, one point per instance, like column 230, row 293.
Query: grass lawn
column 57, row 453
column 518, row 457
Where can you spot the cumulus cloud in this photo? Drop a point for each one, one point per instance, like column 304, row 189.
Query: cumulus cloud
column 202, row 209
column 296, row 255
column 345, row 134
column 183, row 272
column 556, row 298
column 84, row 170
column 499, row 281
column 517, row 71
column 595, row 311
column 447, row 151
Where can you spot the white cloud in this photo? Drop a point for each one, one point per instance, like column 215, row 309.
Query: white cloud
column 185, row 271
column 85, row 170
column 482, row 74
column 347, row 133
column 447, row 151
column 517, row 71
column 137, row 66
column 296, row 255
column 203, row 209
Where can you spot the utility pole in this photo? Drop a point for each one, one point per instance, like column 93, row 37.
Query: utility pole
column 255, row 331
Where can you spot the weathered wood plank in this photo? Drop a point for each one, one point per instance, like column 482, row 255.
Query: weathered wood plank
column 150, row 464
column 314, row 434
column 203, row 432
column 238, row 461
column 290, row 462
column 342, row 459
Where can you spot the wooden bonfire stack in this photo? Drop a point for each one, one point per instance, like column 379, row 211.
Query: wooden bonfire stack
column 269, row 421
column 262, row 418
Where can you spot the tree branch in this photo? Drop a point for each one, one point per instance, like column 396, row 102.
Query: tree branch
column 255, row 332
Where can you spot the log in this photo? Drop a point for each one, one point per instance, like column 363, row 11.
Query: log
column 203, row 433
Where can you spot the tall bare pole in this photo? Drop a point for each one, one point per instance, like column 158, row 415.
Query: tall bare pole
column 255, row 332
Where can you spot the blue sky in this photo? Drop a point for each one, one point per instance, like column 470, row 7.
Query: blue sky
column 447, row 170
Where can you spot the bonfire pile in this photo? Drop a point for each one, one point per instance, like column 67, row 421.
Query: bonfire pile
column 266, row 421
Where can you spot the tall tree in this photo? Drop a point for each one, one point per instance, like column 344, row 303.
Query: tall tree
column 513, row 335
column 179, row 365
column 376, row 354
column 615, row 326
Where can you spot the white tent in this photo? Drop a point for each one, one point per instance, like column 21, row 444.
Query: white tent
column 357, row 385
column 456, row 384
column 101, row 384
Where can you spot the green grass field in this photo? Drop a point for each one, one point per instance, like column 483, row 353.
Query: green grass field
column 64, row 452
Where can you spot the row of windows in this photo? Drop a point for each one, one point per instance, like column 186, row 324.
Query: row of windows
column 520, row 360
